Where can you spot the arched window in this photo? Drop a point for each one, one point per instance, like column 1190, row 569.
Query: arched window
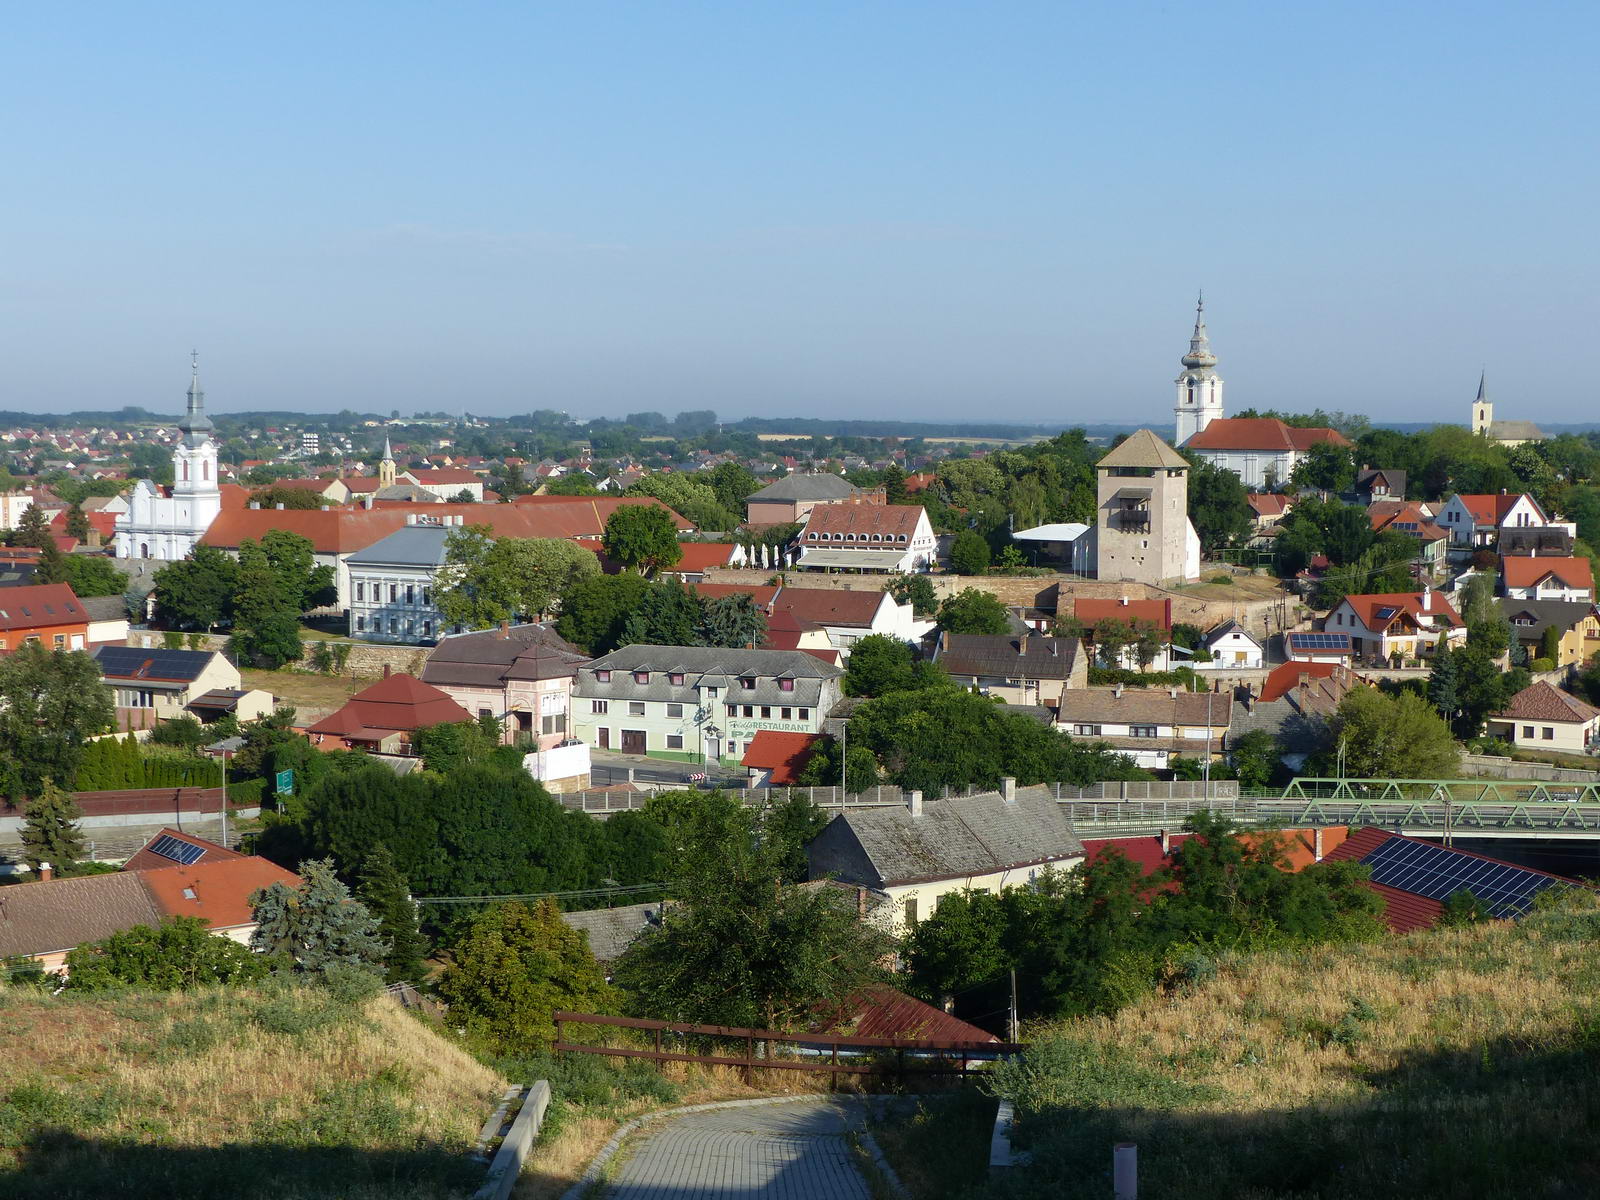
column 183, row 469
column 205, row 469
column 144, row 549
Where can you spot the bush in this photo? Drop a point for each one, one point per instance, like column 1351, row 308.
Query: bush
column 1227, row 579
column 1183, row 677
column 179, row 953
column 1542, row 664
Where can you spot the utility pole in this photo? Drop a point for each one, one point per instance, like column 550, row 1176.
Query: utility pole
column 222, row 759
column 844, row 758
column 1014, row 1031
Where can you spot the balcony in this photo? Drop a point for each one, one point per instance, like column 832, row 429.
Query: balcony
column 1131, row 520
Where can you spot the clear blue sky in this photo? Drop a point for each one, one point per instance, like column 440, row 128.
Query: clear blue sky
column 994, row 211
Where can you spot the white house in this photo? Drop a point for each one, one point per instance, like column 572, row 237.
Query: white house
column 1390, row 624
column 1546, row 578
column 447, row 483
column 1262, row 451
column 915, row 854
column 167, row 526
column 1232, row 647
column 1151, row 725
column 392, row 583
column 1543, row 717
column 880, row 538
column 1477, row 520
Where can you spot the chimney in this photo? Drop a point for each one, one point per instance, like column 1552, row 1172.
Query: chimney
column 1117, row 691
column 255, row 504
column 1008, row 790
column 505, row 629
column 914, row 803
column 411, row 518
column 1316, row 844
column 1022, row 645
column 1173, row 692
column 278, row 506
column 1166, row 842
column 861, row 895
column 1123, row 601
column 386, row 670
column 46, row 872
column 366, row 500
column 1427, row 598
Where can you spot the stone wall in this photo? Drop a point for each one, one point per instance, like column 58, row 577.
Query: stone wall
column 367, row 659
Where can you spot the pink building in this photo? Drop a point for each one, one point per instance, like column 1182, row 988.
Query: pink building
column 521, row 675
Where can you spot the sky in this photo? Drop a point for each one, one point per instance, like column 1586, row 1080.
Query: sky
column 938, row 211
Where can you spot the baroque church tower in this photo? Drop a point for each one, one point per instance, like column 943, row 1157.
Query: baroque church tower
column 1199, row 388
column 166, row 527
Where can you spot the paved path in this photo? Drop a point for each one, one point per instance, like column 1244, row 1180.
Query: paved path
column 782, row 1151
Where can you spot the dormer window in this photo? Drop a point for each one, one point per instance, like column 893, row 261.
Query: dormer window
column 641, row 676
column 786, row 685
column 675, row 678
column 602, row 676
column 747, row 682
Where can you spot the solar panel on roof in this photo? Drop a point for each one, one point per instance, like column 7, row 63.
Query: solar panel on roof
column 1439, row 872
column 176, row 849
column 1320, row 641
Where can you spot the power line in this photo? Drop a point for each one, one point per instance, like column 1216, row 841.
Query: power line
column 621, row 890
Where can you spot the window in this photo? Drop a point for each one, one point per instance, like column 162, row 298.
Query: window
column 674, row 741
column 394, row 592
column 552, row 723
column 411, row 593
column 641, row 676
column 911, row 910
column 733, row 710
column 427, row 596
column 1086, row 730
column 787, row 714
column 636, row 708
column 60, row 641
column 766, row 713
column 747, row 682
column 1527, row 731
column 485, row 714
column 748, row 711
column 361, row 624
column 361, row 591
column 805, row 714
column 711, row 693
column 675, row 678
column 599, row 706
column 427, row 629
column 674, row 710
column 1549, row 734
column 786, row 685
column 1142, row 731
column 602, row 676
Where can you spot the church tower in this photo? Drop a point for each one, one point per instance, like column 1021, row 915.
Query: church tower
column 1482, row 410
column 195, row 488
column 386, row 465
column 1199, row 389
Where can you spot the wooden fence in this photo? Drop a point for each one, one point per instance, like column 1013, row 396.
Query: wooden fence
column 951, row 1058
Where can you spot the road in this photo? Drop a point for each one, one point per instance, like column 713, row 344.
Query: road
column 609, row 766
column 791, row 1151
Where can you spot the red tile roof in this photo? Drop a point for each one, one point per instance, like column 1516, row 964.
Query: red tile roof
column 697, row 556
column 217, row 892
column 1493, row 509
column 1286, row 678
column 1543, row 701
column 1260, row 433
column 784, row 753
column 400, row 702
column 830, row 606
column 146, row 859
column 1409, row 603
column 891, row 519
column 1092, row 611
column 1268, row 504
column 40, row 606
column 1525, row 572
column 882, row 1012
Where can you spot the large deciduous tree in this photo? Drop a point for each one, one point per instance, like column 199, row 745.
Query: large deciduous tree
column 643, row 536
column 51, row 703
column 595, row 611
column 198, row 591
column 485, row 580
column 1391, row 737
column 973, row 611
column 266, row 621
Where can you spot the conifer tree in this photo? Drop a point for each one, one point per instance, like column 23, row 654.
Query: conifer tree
column 77, row 522
column 386, row 895
column 50, row 832
column 33, row 529
column 52, row 565
column 318, row 926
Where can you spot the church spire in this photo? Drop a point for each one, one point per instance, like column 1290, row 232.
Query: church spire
column 195, row 426
column 1200, row 357
column 386, row 465
column 1483, row 390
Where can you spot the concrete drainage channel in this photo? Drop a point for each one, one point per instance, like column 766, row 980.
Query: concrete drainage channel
column 511, row 1129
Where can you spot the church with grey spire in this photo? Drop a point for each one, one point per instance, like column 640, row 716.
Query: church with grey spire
column 1507, row 433
column 165, row 524
column 1199, row 388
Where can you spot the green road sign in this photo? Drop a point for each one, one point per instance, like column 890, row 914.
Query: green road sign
column 285, row 783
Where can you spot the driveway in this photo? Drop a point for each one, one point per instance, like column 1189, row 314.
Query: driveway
column 792, row 1151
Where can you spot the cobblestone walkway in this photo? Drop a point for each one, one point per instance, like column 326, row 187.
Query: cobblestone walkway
column 783, row 1151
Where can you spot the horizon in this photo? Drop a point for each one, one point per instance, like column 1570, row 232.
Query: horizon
column 914, row 214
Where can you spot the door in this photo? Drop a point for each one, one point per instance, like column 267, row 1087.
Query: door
column 605, row 738
column 633, row 741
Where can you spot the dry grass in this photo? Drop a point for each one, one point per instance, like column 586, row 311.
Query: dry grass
column 1452, row 1062
column 313, row 696
column 308, row 1096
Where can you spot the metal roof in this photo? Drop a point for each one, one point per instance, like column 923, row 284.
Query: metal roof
column 137, row 662
column 412, row 546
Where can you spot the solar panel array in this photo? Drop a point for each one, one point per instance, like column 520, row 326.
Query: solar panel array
column 176, row 849
column 1320, row 641
column 1439, row 872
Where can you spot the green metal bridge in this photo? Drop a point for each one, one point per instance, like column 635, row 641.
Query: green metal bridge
column 1477, row 808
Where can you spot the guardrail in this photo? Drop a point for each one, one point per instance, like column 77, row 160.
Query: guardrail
column 952, row 1058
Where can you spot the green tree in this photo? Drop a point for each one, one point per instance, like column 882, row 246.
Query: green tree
column 960, row 947
column 516, row 966
column 742, row 948
column 574, row 483
column 180, row 953
column 878, row 663
column 33, row 529
column 51, row 703
column 668, row 614
column 915, row 590
column 1550, row 643
column 50, row 832
column 973, row 611
column 1327, row 467
column 595, row 611
column 1392, row 737
column 691, row 499
column 1257, row 758
column 969, row 553
column 93, row 575
column 452, row 745
column 318, row 927
column 642, row 536
column 732, row 621
column 302, row 499
column 731, row 482
column 303, row 583
column 266, row 622
column 77, row 522
column 52, row 564
column 485, row 580
column 198, row 591
column 388, row 898
column 1218, row 508
column 894, row 485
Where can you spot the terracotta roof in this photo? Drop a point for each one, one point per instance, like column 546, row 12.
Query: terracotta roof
column 1300, row 847
column 600, row 507
column 697, row 556
column 1091, row 611
column 1260, row 433
column 864, row 518
column 829, row 606
column 1286, row 678
column 1268, row 504
column 1145, row 706
column 1523, row 572
column 40, row 606
column 1491, row 509
column 763, row 594
column 784, row 753
column 217, row 892
column 400, row 702
column 1369, row 608
column 883, row 1012
column 145, row 859
column 1543, row 701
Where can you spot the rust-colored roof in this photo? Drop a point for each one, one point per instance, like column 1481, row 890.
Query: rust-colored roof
column 697, row 556
column 1268, row 504
column 40, row 606
column 889, row 519
column 761, row 594
column 217, row 892
column 146, row 859
column 1092, row 611
column 1286, row 677
column 1410, row 604
column 1492, row 509
column 883, row 1012
column 400, row 702
column 1260, row 433
column 1521, row 572
column 1543, row 701
column 784, row 753
column 830, row 606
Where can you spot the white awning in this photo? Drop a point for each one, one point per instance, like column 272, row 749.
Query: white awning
column 860, row 560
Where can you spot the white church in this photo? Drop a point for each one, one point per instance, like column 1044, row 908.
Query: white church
column 166, row 527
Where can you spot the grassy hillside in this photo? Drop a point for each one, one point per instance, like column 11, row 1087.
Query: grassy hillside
column 281, row 1093
column 1455, row 1063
